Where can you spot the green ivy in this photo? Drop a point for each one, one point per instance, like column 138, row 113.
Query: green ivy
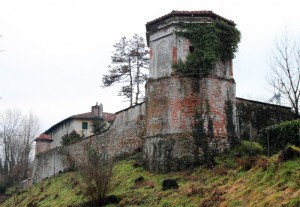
column 279, row 136
column 211, row 43
column 203, row 139
column 230, row 127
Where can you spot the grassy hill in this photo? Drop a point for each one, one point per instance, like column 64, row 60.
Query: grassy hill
column 234, row 182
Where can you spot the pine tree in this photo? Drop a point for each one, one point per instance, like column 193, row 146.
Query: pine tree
column 129, row 57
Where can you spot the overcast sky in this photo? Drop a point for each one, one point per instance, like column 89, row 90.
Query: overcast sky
column 56, row 51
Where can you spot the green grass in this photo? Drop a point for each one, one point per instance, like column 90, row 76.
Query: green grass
column 267, row 183
column 62, row 190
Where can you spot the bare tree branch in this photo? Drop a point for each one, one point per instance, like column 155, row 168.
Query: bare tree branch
column 17, row 132
column 284, row 63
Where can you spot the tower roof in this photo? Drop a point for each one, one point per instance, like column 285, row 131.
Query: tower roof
column 204, row 13
column 44, row 137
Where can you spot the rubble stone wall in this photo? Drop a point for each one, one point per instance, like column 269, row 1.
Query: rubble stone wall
column 124, row 136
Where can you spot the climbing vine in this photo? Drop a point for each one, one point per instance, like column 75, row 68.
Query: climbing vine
column 210, row 43
column 230, row 127
column 204, row 136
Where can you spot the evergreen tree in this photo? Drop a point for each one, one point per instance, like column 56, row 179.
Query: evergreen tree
column 98, row 125
column 129, row 57
column 71, row 138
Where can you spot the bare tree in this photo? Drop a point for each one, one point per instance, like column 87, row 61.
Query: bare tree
column 96, row 170
column 17, row 132
column 284, row 62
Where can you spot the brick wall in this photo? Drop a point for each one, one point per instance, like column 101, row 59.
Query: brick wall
column 42, row 146
column 170, row 109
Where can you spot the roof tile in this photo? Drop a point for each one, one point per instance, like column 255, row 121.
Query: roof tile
column 44, row 137
column 207, row 13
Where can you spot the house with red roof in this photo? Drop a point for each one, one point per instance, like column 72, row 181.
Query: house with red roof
column 81, row 123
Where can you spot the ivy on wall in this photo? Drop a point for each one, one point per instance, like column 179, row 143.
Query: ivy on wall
column 230, row 127
column 210, row 43
column 204, row 138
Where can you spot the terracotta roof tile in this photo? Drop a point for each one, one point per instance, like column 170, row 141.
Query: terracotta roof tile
column 44, row 137
column 106, row 116
column 204, row 13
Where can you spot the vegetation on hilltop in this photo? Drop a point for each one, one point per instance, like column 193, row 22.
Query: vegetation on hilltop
column 237, row 180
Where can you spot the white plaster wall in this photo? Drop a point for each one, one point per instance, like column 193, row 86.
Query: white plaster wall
column 161, row 43
column 68, row 127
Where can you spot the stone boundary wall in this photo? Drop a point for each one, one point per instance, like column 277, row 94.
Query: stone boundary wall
column 123, row 137
column 258, row 115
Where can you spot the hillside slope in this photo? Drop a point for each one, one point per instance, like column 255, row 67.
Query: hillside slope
column 233, row 182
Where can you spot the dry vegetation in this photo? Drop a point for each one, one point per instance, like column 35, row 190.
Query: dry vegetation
column 233, row 182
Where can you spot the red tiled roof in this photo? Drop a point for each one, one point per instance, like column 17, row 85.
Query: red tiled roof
column 106, row 116
column 203, row 13
column 109, row 117
column 44, row 137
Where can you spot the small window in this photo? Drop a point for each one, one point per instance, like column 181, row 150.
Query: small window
column 191, row 49
column 84, row 125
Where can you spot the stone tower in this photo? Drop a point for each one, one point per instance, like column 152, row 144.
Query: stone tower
column 172, row 99
column 43, row 143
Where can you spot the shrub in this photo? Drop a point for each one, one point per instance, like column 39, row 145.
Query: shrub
column 246, row 163
column 169, row 184
column 2, row 188
column 111, row 199
column 262, row 162
column 289, row 153
column 71, row 138
column 247, row 148
column 279, row 136
column 139, row 179
column 95, row 169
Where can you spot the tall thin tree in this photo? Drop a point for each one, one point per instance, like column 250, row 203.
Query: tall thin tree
column 128, row 60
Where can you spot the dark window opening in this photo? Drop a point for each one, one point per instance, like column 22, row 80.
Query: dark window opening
column 191, row 48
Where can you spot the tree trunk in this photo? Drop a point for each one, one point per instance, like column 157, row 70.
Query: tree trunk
column 131, row 83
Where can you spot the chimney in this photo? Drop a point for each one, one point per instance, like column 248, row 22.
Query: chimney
column 101, row 111
column 97, row 111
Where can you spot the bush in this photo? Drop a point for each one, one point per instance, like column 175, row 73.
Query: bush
column 246, row 163
column 71, row 138
column 289, row 153
column 139, row 179
column 247, row 148
column 2, row 188
column 279, row 136
column 169, row 184
column 95, row 168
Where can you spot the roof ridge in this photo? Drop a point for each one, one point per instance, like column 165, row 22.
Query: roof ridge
column 186, row 12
